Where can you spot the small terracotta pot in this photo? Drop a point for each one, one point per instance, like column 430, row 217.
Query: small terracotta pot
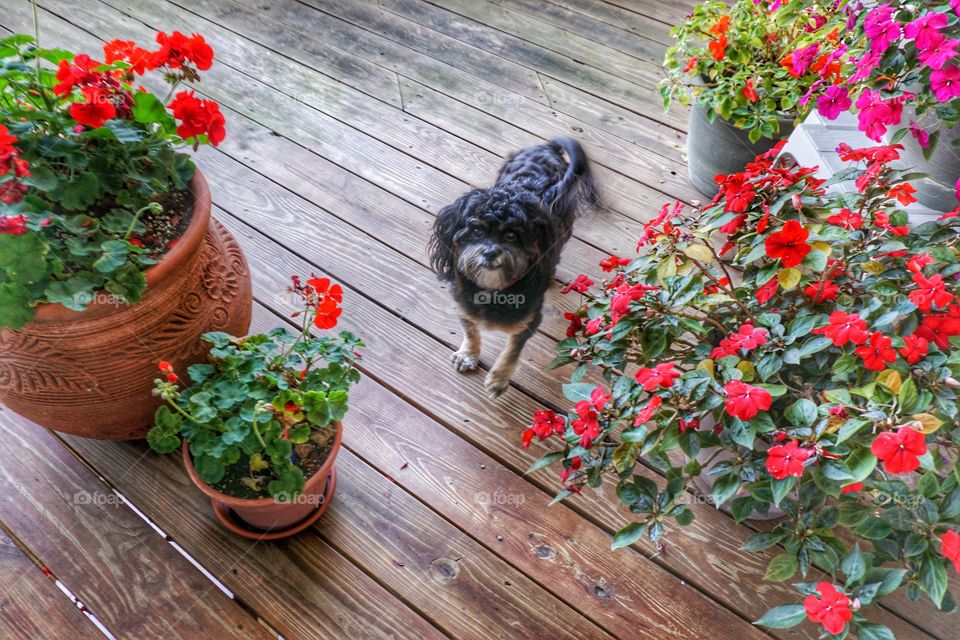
column 265, row 517
column 91, row 372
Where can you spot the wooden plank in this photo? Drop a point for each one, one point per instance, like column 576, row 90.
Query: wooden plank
column 646, row 39
column 31, row 606
column 111, row 559
column 301, row 587
column 459, row 156
column 642, row 70
column 641, row 99
column 668, row 12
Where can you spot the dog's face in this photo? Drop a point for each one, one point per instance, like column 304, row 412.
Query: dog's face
column 492, row 237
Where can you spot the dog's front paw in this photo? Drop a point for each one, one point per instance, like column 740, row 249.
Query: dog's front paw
column 463, row 361
column 495, row 384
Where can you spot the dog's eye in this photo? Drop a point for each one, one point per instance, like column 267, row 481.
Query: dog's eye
column 510, row 236
column 476, row 232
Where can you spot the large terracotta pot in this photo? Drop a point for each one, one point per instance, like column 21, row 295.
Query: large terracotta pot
column 719, row 147
column 266, row 518
column 91, row 372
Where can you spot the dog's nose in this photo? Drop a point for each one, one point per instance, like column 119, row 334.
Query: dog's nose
column 492, row 253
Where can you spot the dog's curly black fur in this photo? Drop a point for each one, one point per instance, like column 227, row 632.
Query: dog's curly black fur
column 499, row 247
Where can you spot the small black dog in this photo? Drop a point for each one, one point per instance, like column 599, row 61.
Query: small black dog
column 499, row 248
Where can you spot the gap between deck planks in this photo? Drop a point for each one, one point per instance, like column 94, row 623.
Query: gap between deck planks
column 129, row 577
column 31, row 605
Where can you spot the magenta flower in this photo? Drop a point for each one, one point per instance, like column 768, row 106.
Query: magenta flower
column 920, row 135
column 945, row 83
column 880, row 28
column 876, row 113
column 955, row 5
column 865, row 66
column 937, row 52
column 803, row 58
column 926, row 30
column 834, row 101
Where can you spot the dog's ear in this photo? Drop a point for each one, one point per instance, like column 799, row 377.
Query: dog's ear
column 442, row 242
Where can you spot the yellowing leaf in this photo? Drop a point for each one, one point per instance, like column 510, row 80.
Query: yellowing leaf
column 666, row 269
column 788, row 278
column 875, row 268
column 822, row 246
column 891, row 379
column 748, row 370
column 707, row 365
column 834, row 423
column 257, row 463
column 928, row 423
column 699, row 252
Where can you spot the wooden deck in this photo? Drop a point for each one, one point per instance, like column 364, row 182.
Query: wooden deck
column 350, row 123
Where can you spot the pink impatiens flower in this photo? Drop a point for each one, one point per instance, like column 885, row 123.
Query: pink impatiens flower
column 876, row 113
column 920, row 135
column 926, row 30
column 880, row 28
column 938, row 52
column 834, row 101
column 945, row 83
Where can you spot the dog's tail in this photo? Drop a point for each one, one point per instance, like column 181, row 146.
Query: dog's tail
column 577, row 187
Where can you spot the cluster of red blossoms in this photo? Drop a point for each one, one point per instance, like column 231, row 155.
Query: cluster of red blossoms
column 104, row 96
column 12, row 168
column 167, row 369
column 323, row 297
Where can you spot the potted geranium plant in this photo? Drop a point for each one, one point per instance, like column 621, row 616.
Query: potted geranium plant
column 260, row 422
column 750, row 70
column 108, row 254
column 904, row 78
column 820, row 369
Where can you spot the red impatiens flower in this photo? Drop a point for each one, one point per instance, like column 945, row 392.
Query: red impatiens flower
column 843, row 328
column 587, row 427
column 594, row 326
column 917, row 262
column 745, row 401
column 576, row 324
column 747, row 338
column 831, row 608
column 611, row 263
column 545, row 424
column 930, row 292
column 847, row 219
column 950, row 547
column 749, row 92
column 856, row 487
column 580, row 285
column 877, row 352
column 903, row 193
column 198, row 117
column 789, row 244
column 899, row 450
column 12, row 225
column 821, row 291
column 766, row 291
column 784, row 460
column 663, row 375
column 567, row 471
column 718, row 48
column 914, row 349
column 95, row 110
column 646, row 413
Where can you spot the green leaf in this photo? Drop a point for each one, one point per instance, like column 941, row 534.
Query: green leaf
column 854, row 565
column 762, row 540
column 933, row 578
column 724, row 488
column 628, row 535
column 148, row 109
column 782, row 567
column 578, row 391
column 783, row 617
column 874, row 631
column 802, row 413
column 861, row 464
column 545, row 461
column 781, row 488
column 79, row 193
column 114, row 255
column 907, row 398
column 210, row 469
column 889, row 579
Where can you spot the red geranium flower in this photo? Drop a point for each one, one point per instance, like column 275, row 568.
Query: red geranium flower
column 95, row 110
column 843, row 328
column 77, row 73
column 785, row 460
column 580, row 285
column 745, row 401
column 877, row 352
column 951, row 547
column 176, row 49
column 198, row 117
column 128, row 51
column 328, row 296
column 899, row 450
column 12, row 225
column 831, row 609
column 663, row 375
column 914, row 349
column 789, row 244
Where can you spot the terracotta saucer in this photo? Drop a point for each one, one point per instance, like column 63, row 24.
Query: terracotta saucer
column 229, row 520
